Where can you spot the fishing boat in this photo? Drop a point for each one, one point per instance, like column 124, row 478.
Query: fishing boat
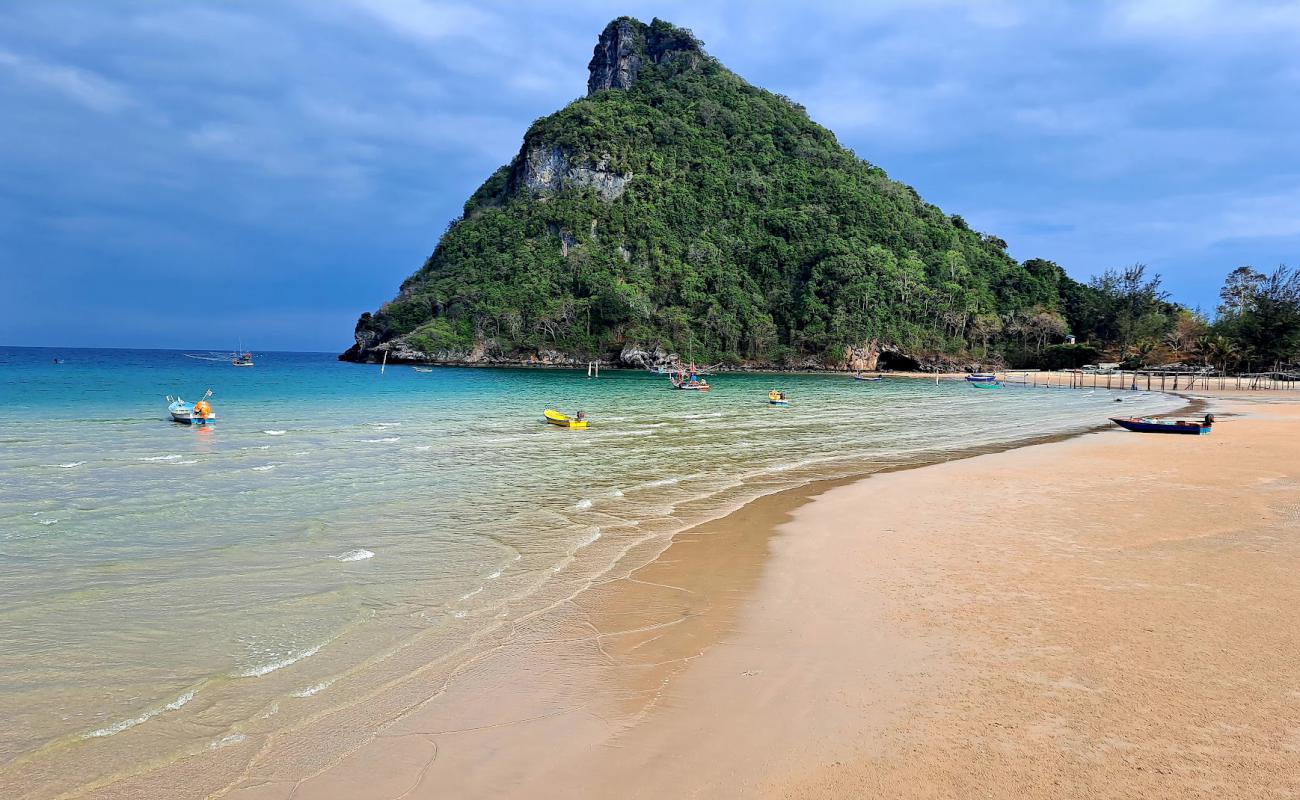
column 987, row 385
column 422, row 369
column 688, row 379
column 777, row 398
column 241, row 360
column 860, row 377
column 1149, row 425
column 554, row 417
column 199, row 413
column 982, row 377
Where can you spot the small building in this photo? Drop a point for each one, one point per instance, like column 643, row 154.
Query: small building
column 1069, row 338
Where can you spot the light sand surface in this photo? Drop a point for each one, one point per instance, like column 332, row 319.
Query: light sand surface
column 1117, row 615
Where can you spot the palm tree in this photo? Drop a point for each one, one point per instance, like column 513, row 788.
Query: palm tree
column 1218, row 351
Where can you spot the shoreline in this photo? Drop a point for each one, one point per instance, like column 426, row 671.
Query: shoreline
column 765, row 508
column 722, row 591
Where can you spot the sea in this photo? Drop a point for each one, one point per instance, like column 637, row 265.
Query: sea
column 163, row 586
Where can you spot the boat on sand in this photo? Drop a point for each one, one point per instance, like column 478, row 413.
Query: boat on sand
column 1149, row 425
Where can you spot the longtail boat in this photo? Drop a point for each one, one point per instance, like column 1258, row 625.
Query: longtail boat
column 1149, row 425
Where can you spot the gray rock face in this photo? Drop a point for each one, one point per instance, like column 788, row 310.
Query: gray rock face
column 634, row 355
column 627, row 44
column 617, row 57
column 546, row 169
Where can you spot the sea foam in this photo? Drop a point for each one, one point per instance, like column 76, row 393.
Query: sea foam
column 127, row 724
column 266, row 669
column 274, row 433
column 311, row 690
column 354, row 555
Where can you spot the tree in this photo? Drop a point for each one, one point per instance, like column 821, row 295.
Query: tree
column 1268, row 327
column 1131, row 305
column 1239, row 290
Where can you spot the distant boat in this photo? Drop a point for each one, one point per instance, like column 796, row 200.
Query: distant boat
column 777, row 398
column 982, row 377
column 241, row 360
column 987, row 385
column 565, row 421
column 422, row 369
column 861, row 377
column 1149, row 425
column 200, row 413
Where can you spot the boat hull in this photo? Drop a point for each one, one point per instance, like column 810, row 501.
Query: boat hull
column 559, row 420
column 982, row 378
column 986, row 385
column 1150, row 426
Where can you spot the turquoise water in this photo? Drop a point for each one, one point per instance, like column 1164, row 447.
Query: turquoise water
column 162, row 585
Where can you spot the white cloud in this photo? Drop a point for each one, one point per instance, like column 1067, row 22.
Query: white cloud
column 78, row 85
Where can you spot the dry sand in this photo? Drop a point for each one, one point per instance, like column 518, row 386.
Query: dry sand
column 1110, row 616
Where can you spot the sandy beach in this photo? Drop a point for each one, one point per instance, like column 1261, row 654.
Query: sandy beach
column 1107, row 616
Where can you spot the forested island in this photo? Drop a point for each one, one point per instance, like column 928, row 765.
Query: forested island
column 676, row 209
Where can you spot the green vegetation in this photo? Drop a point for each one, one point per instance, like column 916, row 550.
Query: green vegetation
column 695, row 211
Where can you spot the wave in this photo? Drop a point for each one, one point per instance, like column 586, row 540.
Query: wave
column 388, row 440
column 583, row 504
column 422, row 448
column 311, row 690
column 69, row 465
column 227, row 741
column 468, row 595
column 673, row 481
column 616, row 493
column 266, row 669
column 496, row 574
column 264, row 468
column 589, row 540
column 159, row 458
column 275, row 433
column 354, row 555
column 127, row 724
column 46, row 521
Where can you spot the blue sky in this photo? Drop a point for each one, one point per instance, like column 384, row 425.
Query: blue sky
column 188, row 174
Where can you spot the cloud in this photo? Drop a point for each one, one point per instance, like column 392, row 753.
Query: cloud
column 325, row 145
column 78, row 85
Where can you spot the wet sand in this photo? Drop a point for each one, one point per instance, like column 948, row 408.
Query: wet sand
column 1108, row 616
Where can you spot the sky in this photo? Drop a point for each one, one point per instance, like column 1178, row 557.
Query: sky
column 197, row 174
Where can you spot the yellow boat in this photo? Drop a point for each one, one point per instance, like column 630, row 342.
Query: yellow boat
column 565, row 421
column 777, row 398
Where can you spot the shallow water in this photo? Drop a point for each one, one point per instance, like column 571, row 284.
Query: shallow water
column 161, row 585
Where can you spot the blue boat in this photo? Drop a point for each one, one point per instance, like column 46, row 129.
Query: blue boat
column 865, row 378
column 1148, row 425
column 199, row 413
column 982, row 377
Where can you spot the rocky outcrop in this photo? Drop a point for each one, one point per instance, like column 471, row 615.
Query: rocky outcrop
column 546, row 169
column 627, row 44
column 638, row 357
